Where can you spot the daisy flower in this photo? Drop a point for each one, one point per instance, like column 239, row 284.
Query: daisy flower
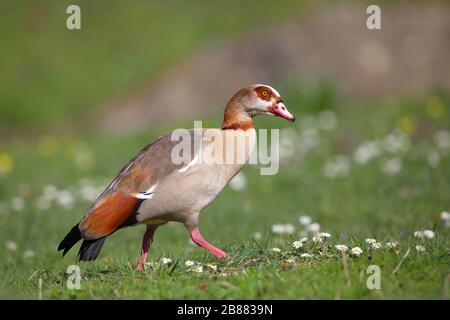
column 212, row 266
column 420, row 248
column 297, row 244
column 278, row 250
column 376, row 245
column 429, row 234
column 189, row 263
column 165, row 260
column 392, row 166
column 11, row 245
column 337, row 166
column 257, row 236
column 313, row 227
column 65, row 199
column 198, row 269
column 418, row 234
column 304, row 220
column 28, row 254
column 391, row 245
column 341, row 247
column 317, row 238
column 366, row 152
column 291, row 261
column 356, row 251
column 283, row 228
column 371, row 241
column 445, row 215
column 306, row 255
column 17, row 204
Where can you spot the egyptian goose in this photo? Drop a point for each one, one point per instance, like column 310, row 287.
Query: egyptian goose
column 153, row 189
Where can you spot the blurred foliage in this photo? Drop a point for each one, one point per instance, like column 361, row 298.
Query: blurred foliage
column 51, row 75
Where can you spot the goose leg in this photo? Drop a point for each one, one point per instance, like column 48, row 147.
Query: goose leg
column 200, row 241
column 146, row 242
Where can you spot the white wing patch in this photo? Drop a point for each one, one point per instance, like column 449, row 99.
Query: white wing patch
column 190, row 164
column 147, row 194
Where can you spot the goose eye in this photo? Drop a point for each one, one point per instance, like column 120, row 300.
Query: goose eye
column 264, row 93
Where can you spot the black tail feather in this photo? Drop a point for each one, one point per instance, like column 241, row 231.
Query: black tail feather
column 90, row 249
column 70, row 240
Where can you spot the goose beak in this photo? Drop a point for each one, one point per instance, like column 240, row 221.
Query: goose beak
column 280, row 110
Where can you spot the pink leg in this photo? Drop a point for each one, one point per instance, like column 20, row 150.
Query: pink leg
column 146, row 242
column 198, row 239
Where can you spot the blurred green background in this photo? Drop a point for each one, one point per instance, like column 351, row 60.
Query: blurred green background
column 76, row 105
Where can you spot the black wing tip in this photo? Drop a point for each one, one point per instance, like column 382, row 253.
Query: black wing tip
column 90, row 249
column 70, row 240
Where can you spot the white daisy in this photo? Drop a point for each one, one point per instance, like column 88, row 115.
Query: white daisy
column 257, row 236
column 396, row 142
column 165, row 260
column 306, row 255
column 327, row 120
column 392, row 166
column 65, row 199
column 445, row 215
column 189, row 263
column 391, row 245
column 420, row 248
column 429, row 234
column 371, row 241
column 313, row 227
column 317, row 238
column 356, row 251
column 304, row 239
column 376, row 245
column 297, row 244
column 304, row 220
column 278, row 250
column 337, row 166
column 283, row 228
column 11, row 245
column 17, row 204
column 50, row 192
column 89, row 192
column 290, row 261
column 341, row 247
column 198, row 269
column 442, row 139
column 433, row 159
column 28, row 254
column 418, row 234
column 366, row 152
column 212, row 266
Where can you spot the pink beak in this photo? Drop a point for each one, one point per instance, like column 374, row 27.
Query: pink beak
column 281, row 111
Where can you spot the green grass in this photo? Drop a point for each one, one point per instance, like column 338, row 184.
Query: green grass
column 364, row 203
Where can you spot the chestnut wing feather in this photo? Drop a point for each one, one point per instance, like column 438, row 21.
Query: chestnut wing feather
column 118, row 203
